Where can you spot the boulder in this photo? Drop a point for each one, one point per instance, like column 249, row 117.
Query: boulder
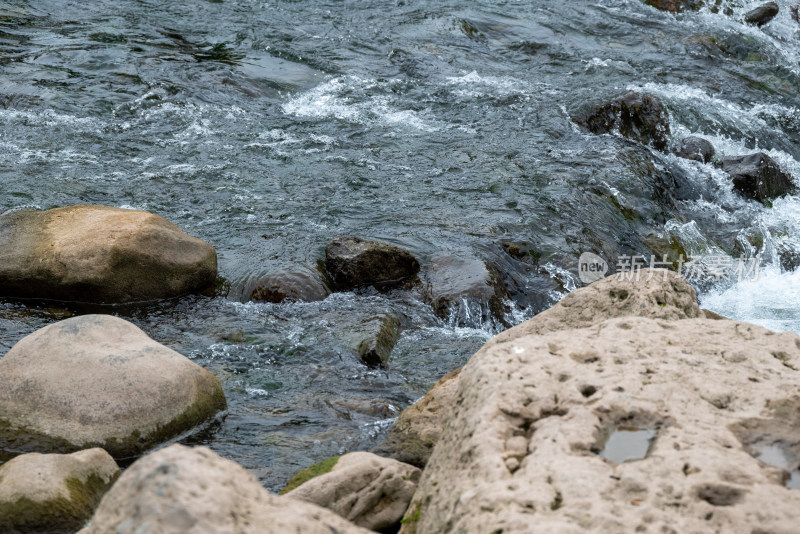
column 664, row 295
column 370, row 491
column 100, row 254
column 675, row 6
column 53, row 493
column 373, row 339
column 762, row 14
column 638, row 116
column 758, row 177
column 287, row 286
column 464, row 290
column 182, row 490
column 99, row 381
column 540, row 424
column 352, row 262
column 697, row 149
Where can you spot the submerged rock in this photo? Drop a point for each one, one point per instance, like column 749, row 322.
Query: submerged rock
column 675, row 6
column 353, row 262
column 182, row 490
column 696, row 149
column 638, row 116
column 97, row 380
column 287, row 286
column 665, row 295
column 100, row 254
column 370, row 491
column 373, row 339
column 762, row 14
column 53, row 493
column 758, row 177
column 532, row 413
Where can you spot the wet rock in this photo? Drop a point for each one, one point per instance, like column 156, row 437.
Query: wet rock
column 100, row 254
column 182, row 490
column 665, row 295
column 638, row 116
column 99, row 381
column 522, row 251
column 370, row 491
column 352, row 262
column 762, row 14
column 696, row 149
column 53, row 493
column 373, row 339
column 789, row 255
column 758, row 177
column 287, row 286
column 464, row 290
column 532, row 414
column 675, row 6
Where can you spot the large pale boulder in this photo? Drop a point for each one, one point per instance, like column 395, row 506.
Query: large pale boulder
column 98, row 380
column 53, row 493
column 531, row 413
column 102, row 254
column 660, row 294
column 368, row 490
column 182, row 490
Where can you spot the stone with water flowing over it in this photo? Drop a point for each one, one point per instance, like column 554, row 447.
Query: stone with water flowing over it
column 638, row 116
column 352, row 262
column 99, row 381
column 100, row 254
column 287, row 286
column 762, row 14
column 182, row 490
column 53, row 493
column 675, row 6
column 696, row 149
column 373, row 339
column 758, row 177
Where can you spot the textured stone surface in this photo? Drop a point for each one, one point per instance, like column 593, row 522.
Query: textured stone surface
column 97, row 380
column 353, row 262
column 519, row 448
column 287, row 286
column 373, row 339
column 92, row 253
column 696, row 149
column 638, row 116
column 758, row 177
column 53, row 492
column 368, row 490
column 182, row 490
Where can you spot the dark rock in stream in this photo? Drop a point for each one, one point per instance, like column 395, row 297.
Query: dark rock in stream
column 758, row 177
column 762, row 14
column 696, row 149
column 638, row 116
column 352, row 262
column 675, row 6
column 287, row 286
column 373, row 339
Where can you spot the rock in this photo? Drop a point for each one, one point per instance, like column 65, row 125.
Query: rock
column 762, row 14
column 665, row 295
column 97, row 380
column 100, row 254
column 53, row 493
column 370, row 491
column 182, row 490
column 374, row 339
column 287, row 286
column 697, row 149
column 462, row 289
column 522, row 251
column 638, row 116
column 675, row 6
column 352, row 262
column 532, row 413
column 758, row 177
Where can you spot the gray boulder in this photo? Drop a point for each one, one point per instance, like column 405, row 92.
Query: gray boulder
column 762, row 14
column 758, row 177
column 696, row 149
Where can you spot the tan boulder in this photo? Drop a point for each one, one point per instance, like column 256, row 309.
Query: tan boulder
column 182, row 490
column 101, row 254
column 661, row 294
column 368, row 490
column 531, row 414
column 53, row 493
column 98, row 380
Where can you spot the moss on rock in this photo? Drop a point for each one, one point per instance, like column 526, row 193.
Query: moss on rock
column 312, row 471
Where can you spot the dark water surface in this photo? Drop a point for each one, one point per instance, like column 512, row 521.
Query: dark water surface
column 267, row 128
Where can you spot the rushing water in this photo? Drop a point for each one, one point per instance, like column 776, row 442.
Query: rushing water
column 267, row 128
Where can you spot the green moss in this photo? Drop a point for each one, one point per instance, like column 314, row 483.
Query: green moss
column 413, row 518
column 312, row 471
column 558, row 501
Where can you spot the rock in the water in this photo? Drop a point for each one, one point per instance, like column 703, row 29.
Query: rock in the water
column 374, row 339
column 353, row 262
column 675, row 6
column 758, row 177
column 370, row 491
column 632, row 424
column 462, row 289
column 53, row 493
column 697, row 149
column 665, row 295
column 99, row 381
column 287, row 286
column 762, row 14
column 638, row 116
column 182, row 490
column 100, row 254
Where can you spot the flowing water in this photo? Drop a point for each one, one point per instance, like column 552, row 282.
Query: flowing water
column 269, row 127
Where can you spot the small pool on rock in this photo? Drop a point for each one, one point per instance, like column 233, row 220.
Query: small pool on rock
column 627, row 444
column 776, row 457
